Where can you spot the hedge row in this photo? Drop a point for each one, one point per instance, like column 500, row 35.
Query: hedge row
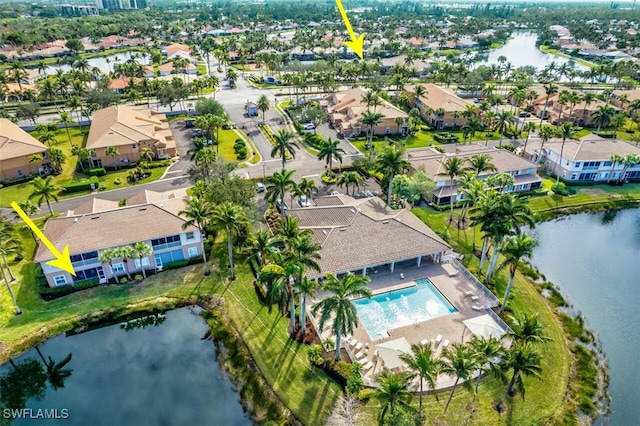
column 98, row 171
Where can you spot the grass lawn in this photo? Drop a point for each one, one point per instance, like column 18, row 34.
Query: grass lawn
column 225, row 147
column 69, row 174
column 585, row 195
column 305, row 390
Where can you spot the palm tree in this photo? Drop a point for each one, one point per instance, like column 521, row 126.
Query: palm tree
column 602, row 116
column 44, row 190
column 112, row 151
column 142, row 250
column 488, row 352
column 371, row 99
column 524, row 359
column 528, row 127
column 526, row 328
column 502, row 121
column 340, row 304
column 617, row 121
column 10, row 245
column 630, row 160
column 459, row 360
column 390, row 162
column 307, row 186
column 393, row 393
column 546, row 133
column 371, row 120
column 126, row 253
column 305, row 287
column 615, row 160
column 262, row 245
column 330, row 150
column 565, row 131
column 472, row 191
column 230, row 217
column 66, row 120
column 347, row 178
column 106, row 257
column 480, row 163
column 453, row 167
column 263, row 105
column 277, row 184
column 283, row 146
column 279, row 276
column 515, row 249
column 423, row 362
column 549, row 89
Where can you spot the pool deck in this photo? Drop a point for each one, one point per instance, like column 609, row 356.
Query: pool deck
column 454, row 288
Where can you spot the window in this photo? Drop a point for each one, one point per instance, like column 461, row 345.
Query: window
column 190, row 236
column 117, row 267
column 192, row 251
column 60, row 280
column 577, row 165
column 607, row 163
column 573, row 176
column 134, row 146
column 20, row 174
column 387, row 130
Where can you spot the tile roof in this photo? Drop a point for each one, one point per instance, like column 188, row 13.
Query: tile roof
column 15, row 142
column 112, row 228
column 367, row 233
column 436, row 97
column 588, row 149
column 124, row 125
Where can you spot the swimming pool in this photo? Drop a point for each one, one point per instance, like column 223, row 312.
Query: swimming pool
column 398, row 308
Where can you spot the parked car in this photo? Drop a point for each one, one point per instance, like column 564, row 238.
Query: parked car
column 309, row 126
column 524, row 114
column 282, row 207
column 334, row 193
column 304, row 202
column 196, row 133
column 260, row 187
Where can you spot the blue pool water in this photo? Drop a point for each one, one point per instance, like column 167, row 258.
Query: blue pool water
column 402, row 307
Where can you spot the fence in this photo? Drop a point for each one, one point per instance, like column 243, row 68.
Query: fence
column 492, row 299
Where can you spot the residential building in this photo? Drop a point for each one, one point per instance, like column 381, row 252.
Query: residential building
column 360, row 235
column 110, row 4
column 100, row 224
column 16, row 148
column 130, row 129
column 432, row 162
column 345, row 109
column 586, row 160
column 578, row 114
column 78, row 10
column 440, row 107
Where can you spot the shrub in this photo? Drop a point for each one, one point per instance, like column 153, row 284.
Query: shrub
column 327, row 177
column 315, row 355
column 156, row 164
column 117, row 181
column 240, row 140
column 76, row 187
column 446, row 138
column 138, row 278
column 49, row 293
column 94, row 180
column 241, row 155
column 124, row 280
column 354, row 385
column 175, row 265
column 98, row 171
column 343, row 370
column 88, row 283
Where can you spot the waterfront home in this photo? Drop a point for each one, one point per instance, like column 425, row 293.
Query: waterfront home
column 16, row 149
column 586, row 160
column 361, row 235
column 432, row 162
column 130, row 129
column 100, row 224
column 578, row 114
column 440, row 107
column 345, row 111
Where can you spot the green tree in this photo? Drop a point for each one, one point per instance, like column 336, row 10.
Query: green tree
column 106, row 257
column 340, row 305
column 66, row 120
column 549, row 89
column 459, row 360
column 526, row 328
column 565, row 131
column 528, row 127
column 423, row 362
column 390, row 163
column 229, row 217
column 453, row 166
column 488, row 351
column 393, row 393
column 112, row 151
column 263, row 105
column 277, row 184
column 602, row 116
column 515, row 249
column 305, row 287
column 284, row 145
column 330, row 150
column 10, row 245
column 479, row 163
column 371, row 120
column 142, row 250
column 279, row 275
column 44, row 190
column 522, row 359
column 347, row 178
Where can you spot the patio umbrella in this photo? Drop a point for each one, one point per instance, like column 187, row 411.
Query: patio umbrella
column 390, row 352
column 484, row 326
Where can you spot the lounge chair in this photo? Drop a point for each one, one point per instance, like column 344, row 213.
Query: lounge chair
column 353, row 342
column 476, row 307
column 469, row 293
column 360, row 355
column 445, row 343
column 424, row 342
column 368, row 366
column 358, row 346
column 363, row 361
column 438, row 339
column 474, row 297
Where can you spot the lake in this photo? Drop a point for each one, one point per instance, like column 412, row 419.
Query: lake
column 101, row 62
column 157, row 375
column 521, row 50
column 596, row 265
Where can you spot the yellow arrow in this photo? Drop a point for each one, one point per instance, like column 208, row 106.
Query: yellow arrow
column 62, row 260
column 356, row 42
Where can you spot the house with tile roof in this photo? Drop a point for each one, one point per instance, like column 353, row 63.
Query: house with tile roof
column 345, row 110
column 432, row 162
column 588, row 159
column 358, row 235
column 16, row 147
column 100, row 224
column 437, row 99
column 130, row 129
